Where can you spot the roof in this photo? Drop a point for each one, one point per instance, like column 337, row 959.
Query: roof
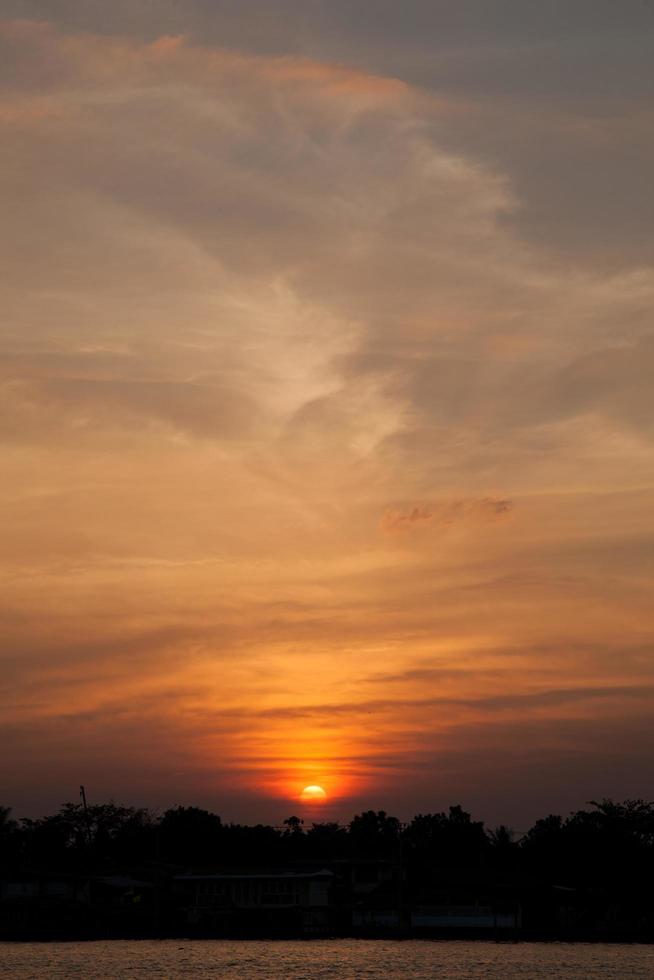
column 255, row 875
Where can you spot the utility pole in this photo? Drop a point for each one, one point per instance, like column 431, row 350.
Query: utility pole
column 82, row 793
column 402, row 918
column 86, row 854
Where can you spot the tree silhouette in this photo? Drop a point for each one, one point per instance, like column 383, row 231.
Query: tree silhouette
column 374, row 834
column 294, row 825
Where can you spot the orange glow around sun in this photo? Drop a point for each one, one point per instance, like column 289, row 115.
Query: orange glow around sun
column 313, row 794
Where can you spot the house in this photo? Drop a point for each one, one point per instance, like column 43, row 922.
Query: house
column 43, row 904
column 66, row 906
column 282, row 902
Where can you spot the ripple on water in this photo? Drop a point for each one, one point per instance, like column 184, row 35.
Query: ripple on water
column 346, row 959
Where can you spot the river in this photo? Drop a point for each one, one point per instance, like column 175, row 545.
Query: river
column 342, row 959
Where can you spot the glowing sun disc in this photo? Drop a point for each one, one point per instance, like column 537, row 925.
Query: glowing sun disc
column 313, row 794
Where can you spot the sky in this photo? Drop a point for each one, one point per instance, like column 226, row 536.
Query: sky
column 326, row 409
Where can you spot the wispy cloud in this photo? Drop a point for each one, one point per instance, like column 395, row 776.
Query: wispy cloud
column 315, row 461
column 444, row 514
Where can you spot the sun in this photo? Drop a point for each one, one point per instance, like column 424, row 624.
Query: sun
column 313, row 794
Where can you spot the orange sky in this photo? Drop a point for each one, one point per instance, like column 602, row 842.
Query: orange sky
column 320, row 465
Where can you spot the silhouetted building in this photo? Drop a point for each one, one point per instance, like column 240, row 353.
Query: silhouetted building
column 257, row 902
column 55, row 905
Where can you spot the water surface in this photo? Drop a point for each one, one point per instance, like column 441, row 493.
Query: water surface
column 347, row 959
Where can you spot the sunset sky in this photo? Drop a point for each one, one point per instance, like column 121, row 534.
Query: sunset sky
column 327, row 404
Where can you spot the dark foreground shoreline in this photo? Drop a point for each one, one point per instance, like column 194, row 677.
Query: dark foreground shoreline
column 242, row 940
column 107, row 872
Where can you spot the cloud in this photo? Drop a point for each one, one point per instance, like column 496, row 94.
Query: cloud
column 444, row 514
column 291, row 230
column 417, row 708
column 204, row 410
column 259, row 307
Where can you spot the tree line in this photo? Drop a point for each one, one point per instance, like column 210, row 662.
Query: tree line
column 608, row 842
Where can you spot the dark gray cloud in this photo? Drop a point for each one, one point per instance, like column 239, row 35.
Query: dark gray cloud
column 550, row 88
column 417, row 708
